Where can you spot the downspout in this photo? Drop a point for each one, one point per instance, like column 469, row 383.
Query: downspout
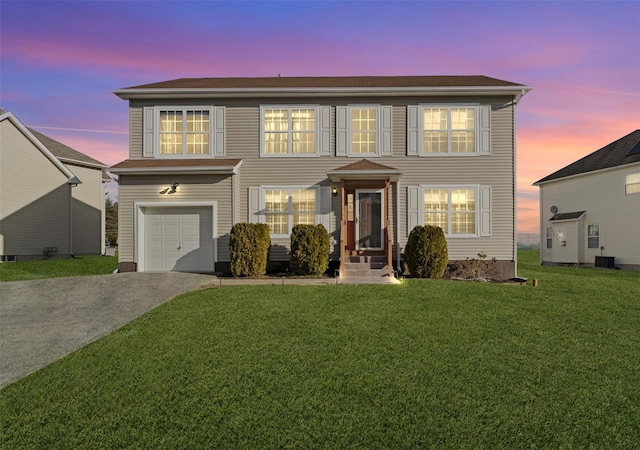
column 73, row 182
column 397, row 229
column 515, row 184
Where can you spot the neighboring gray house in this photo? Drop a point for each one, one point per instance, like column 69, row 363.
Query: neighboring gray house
column 51, row 196
column 367, row 157
column 590, row 209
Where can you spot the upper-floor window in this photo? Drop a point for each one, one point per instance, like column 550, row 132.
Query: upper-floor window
column 363, row 130
column 185, row 132
column 448, row 130
column 632, row 183
column 593, row 236
column 289, row 131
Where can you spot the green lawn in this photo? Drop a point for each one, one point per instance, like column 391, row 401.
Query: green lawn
column 54, row 268
column 424, row 364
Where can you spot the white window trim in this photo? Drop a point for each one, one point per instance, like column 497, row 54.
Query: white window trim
column 156, row 131
column 290, row 154
column 378, row 152
column 549, row 238
column 588, row 236
column 421, row 108
column 263, row 216
column 448, row 235
column 628, row 183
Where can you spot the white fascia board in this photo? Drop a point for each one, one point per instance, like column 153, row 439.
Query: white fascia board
column 71, row 178
column 583, row 174
column 83, row 163
column 336, row 176
column 165, row 93
column 222, row 170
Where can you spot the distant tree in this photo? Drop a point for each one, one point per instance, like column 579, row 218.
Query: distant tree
column 111, row 218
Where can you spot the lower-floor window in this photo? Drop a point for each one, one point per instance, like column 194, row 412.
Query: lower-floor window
column 286, row 208
column 452, row 208
column 593, row 236
column 549, row 237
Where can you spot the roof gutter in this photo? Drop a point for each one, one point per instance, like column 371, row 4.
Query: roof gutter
column 148, row 93
column 221, row 170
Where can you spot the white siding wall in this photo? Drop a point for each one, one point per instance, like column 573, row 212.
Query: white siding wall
column 603, row 198
column 88, row 211
column 34, row 198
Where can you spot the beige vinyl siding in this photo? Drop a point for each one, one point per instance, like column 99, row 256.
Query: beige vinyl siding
column 135, row 132
column 602, row 196
column 88, row 211
column 194, row 188
column 34, row 198
column 495, row 170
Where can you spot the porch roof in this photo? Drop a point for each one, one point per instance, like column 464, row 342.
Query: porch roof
column 567, row 216
column 364, row 170
column 175, row 166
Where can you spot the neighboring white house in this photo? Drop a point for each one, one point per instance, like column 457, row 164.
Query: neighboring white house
column 590, row 209
column 51, row 196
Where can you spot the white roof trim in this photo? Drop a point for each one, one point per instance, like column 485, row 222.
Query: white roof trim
column 337, row 175
column 207, row 170
column 71, row 178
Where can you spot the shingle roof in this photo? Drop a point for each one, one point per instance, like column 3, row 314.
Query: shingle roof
column 329, row 82
column 567, row 216
column 364, row 164
column 618, row 153
column 200, row 165
column 64, row 152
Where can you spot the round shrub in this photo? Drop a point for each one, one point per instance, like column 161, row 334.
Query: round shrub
column 310, row 248
column 426, row 252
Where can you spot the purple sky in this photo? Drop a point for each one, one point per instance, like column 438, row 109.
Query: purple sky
column 61, row 60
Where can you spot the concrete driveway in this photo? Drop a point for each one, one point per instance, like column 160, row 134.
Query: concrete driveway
column 44, row 320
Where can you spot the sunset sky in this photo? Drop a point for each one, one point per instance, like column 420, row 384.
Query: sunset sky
column 61, row 61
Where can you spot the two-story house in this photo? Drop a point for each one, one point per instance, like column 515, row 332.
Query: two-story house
column 590, row 209
column 368, row 157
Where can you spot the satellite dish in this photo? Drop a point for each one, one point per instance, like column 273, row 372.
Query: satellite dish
column 554, row 210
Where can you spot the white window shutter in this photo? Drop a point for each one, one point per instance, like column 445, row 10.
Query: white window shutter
column 324, row 207
column 412, row 130
column 342, row 135
column 148, row 133
column 413, row 207
column 385, row 130
column 254, row 205
column 219, row 122
column 485, row 130
column 485, row 211
column 325, row 130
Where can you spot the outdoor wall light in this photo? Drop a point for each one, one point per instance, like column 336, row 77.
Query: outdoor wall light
column 334, row 191
column 171, row 189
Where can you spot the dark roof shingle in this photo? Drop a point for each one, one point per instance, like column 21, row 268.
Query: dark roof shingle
column 616, row 154
column 64, row 152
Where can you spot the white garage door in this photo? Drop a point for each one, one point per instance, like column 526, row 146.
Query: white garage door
column 179, row 238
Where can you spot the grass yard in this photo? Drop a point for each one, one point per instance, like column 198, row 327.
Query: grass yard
column 425, row 364
column 54, row 268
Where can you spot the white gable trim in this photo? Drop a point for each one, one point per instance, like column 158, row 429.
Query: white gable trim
column 72, row 179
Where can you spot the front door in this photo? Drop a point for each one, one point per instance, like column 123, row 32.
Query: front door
column 369, row 219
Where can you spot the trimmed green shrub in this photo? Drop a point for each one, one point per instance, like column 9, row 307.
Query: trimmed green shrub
column 249, row 249
column 426, row 252
column 310, row 247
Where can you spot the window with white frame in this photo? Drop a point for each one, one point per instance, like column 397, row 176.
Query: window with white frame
column 549, row 237
column 449, row 129
column 184, row 132
column 593, row 236
column 632, row 184
column 453, row 209
column 286, row 208
column 364, row 130
column 289, row 131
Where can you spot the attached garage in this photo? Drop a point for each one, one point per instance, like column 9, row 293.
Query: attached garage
column 176, row 237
